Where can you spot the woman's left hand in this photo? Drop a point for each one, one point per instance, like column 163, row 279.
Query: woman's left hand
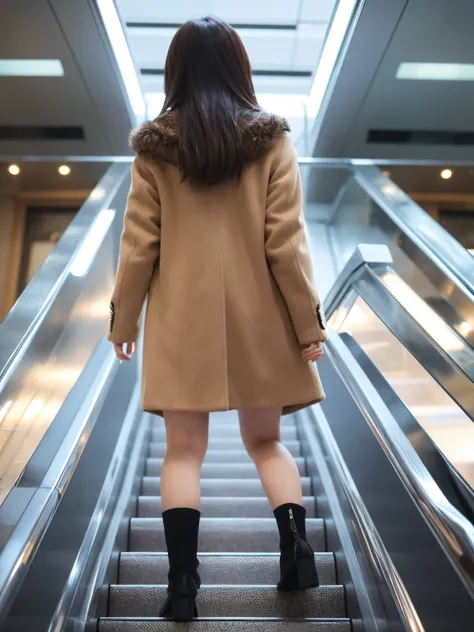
column 124, row 350
column 313, row 353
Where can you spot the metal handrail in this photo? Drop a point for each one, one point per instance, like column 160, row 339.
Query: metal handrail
column 302, row 160
column 33, row 524
column 445, row 252
column 453, row 530
column 378, row 258
column 371, row 542
column 20, row 325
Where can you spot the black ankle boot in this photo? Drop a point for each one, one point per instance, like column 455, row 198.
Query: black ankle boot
column 181, row 533
column 298, row 570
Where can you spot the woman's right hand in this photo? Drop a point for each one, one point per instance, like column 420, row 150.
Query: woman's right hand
column 313, row 353
column 124, row 351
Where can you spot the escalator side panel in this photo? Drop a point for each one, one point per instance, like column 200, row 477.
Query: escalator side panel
column 419, row 439
column 435, row 589
column 40, row 592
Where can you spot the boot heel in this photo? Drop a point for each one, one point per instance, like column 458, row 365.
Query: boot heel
column 183, row 609
column 306, row 572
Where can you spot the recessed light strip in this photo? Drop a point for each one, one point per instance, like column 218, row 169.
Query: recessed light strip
column 416, row 71
column 330, row 53
column 119, row 44
column 31, row 68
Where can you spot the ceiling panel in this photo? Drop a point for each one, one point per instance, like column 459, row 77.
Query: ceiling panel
column 308, row 45
column 268, row 50
column 150, row 46
column 41, row 100
column 422, row 105
column 81, row 98
column 406, row 31
column 241, row 12
column 295, row 49
column 316, row 10
column 279, row 85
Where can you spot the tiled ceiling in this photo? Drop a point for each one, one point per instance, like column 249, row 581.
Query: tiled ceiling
column 283, row 37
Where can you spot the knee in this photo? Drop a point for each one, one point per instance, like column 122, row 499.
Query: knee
column 190, row 449
column 259, row 447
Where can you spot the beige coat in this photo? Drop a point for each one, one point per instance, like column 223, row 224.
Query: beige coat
column 228, row 276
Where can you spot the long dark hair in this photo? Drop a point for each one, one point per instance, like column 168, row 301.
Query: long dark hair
column 208, row 82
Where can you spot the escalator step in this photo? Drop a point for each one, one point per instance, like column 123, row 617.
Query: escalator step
column 222, row 487
column 229, row 535
column 222, row 507
column 233, row 443
column 223, row 454
column 229, row 419
column 152, row 568
column 223, row 431
column 221, row 470
column 232, row 601
column 221, row 625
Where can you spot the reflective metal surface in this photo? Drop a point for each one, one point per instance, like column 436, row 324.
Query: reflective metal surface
column 302, row 160
column 423, row 339
column 371, row 208
column 429, row 346
column 52, row 330
column 431, row 387
column 374, row 255
column 27, row 534
column 454, row 532
column 97, row 546
column 29, row 311
column 371, row 563
column 427, row 572
column 445, row 251
column 451, row 366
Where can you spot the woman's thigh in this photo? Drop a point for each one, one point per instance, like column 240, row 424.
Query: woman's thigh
column 187, row 431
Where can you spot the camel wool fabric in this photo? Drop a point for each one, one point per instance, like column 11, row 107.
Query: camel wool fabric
column 227, row 273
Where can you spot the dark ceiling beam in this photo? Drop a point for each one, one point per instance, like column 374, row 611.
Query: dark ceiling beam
column 176, row 25
column 256, row 73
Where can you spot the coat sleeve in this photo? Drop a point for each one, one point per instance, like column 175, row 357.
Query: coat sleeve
column 287, row 250
column 139, row 253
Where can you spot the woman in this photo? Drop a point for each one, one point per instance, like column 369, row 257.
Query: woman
column 214, row 237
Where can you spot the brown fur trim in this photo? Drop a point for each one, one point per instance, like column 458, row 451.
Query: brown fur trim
column 158, row 139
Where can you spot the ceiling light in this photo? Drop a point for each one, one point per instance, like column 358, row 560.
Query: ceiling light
column 331, row 49
column 446, row 174
column 31, row 68
column 64, row 170
column 118, row 41
column 435, row 72
column 14, row 170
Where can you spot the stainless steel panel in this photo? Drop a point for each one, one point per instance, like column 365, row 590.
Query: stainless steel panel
column 438, row 593
column 372, row 209
column 51, row 332
column 453, row 531
column 429, row 341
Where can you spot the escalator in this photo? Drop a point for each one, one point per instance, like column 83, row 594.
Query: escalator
column 238, row 549
column 388, row 478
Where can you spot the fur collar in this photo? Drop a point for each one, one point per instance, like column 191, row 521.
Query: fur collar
column 158, row 139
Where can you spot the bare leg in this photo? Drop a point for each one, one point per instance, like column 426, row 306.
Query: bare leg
column 186, row 445
column 260, row 429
